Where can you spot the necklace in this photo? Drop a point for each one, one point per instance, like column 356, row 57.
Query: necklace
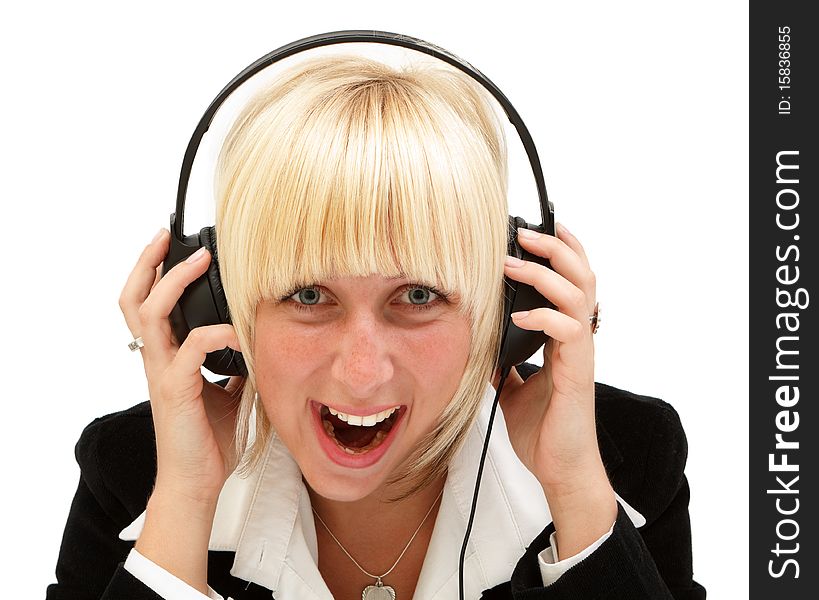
column 379, row 591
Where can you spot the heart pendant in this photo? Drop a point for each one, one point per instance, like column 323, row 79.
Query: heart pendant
column 378, row 592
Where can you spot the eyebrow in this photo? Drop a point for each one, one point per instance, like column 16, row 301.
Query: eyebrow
column 390, row 278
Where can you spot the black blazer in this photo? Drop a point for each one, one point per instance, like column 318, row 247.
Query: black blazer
column 641, row 441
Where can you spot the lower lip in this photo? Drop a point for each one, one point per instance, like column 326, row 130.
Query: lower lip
column 339, row 456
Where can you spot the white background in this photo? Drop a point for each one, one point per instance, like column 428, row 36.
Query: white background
column 640, row 114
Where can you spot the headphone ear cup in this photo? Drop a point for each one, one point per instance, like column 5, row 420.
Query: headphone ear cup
column 203, row 301
column 227, row 361
column 207, row 238
column 518, row 344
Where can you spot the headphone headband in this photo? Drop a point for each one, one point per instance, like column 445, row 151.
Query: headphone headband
column 341, row 37
column 204, row 301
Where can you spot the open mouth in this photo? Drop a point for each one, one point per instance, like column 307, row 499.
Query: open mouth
column 352, row 435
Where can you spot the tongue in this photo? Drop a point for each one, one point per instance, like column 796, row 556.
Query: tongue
column 353, row 436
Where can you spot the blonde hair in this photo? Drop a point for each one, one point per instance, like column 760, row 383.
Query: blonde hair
column 346, row 167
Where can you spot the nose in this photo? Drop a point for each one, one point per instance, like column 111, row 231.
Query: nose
column 362, row 363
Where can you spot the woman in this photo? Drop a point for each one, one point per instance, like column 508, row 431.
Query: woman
column 362, row 228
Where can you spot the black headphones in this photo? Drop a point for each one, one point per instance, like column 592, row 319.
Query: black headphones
column 204, row 302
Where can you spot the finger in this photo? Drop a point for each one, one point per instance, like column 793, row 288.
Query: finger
column 184, row 372
column 574, row 338
column 552, row 285
column 142, row 279
column 564, row 259
column 554, row 323
column 169, row 288
column 153, row 313
column 571, row 241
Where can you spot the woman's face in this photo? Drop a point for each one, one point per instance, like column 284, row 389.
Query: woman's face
column 360, row 346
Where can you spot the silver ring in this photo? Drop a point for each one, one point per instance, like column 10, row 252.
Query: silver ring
column 136, row 344
column 595, row 320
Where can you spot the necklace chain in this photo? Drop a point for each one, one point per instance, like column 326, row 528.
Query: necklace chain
column 379, row 577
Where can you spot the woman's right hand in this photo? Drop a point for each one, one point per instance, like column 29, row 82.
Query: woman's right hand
column 194, row 420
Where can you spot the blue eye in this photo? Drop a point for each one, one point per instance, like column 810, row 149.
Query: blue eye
column 419, row 297
column 306, row 298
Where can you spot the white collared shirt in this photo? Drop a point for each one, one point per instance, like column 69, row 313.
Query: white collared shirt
column 267, row 520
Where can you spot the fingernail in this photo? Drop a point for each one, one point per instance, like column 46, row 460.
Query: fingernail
column 528, row 233
column 561, row 228
column 511, row 261
column 196, row 255
column 520, row 315
column 159, row 234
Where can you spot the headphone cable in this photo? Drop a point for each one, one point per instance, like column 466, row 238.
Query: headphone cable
column 504, row 374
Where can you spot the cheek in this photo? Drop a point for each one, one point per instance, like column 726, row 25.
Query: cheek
column 436, row 359
column 281, row 349
column 285, row 362
column 441, row 349
column 285, row 367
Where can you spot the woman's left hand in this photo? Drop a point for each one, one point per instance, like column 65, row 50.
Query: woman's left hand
column 550, row 416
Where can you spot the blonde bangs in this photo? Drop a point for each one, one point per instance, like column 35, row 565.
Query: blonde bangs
column 347, row 167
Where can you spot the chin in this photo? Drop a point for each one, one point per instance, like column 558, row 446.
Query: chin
column 343, row 489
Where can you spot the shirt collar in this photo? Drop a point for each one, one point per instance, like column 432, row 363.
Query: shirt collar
column 266, row 519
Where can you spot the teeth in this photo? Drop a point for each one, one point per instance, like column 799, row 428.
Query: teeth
column 367, row 421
